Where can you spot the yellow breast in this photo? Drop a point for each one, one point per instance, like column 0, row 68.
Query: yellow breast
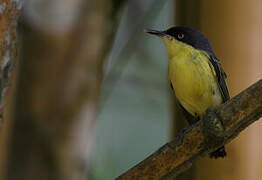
column 194, row 81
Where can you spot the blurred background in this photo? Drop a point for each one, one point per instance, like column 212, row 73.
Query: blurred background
column 136, row 111
column 137, row 114
column 91, row 97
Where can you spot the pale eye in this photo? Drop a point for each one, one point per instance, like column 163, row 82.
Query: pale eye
column 180, row 36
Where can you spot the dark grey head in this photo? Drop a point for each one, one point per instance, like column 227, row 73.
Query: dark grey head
column 187, row 35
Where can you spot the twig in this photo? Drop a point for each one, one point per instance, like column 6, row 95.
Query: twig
column 216, row 129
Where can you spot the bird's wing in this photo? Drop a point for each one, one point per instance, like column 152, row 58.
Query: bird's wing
column 221, row 76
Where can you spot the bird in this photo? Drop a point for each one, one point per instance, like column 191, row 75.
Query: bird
column 195, row 73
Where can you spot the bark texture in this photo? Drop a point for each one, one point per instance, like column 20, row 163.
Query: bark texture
column 217, row 128
column 9, row 13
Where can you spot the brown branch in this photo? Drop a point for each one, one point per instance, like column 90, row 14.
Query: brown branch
column 217, row 128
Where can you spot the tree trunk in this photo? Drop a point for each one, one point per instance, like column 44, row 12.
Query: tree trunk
column 64, row 45
column 9, row 13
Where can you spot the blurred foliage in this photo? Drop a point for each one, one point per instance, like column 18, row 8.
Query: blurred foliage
column 135, row 116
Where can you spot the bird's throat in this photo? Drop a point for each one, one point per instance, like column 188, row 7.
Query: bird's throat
column 176, row 48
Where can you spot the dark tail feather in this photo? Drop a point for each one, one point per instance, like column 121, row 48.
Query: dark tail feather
column 221, row 152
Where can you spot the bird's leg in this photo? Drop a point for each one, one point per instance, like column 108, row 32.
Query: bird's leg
column 213, row 123
column 214, row 132
column 198, row 118
column 183, row 131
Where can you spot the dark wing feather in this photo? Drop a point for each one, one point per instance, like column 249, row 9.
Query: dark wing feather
column 221, row 76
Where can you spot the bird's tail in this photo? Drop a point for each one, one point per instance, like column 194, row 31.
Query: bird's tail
column 220, row 152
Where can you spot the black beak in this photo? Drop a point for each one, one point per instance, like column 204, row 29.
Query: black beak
column 155, row 32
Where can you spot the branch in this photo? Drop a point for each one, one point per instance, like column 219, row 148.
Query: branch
column 216, row 129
